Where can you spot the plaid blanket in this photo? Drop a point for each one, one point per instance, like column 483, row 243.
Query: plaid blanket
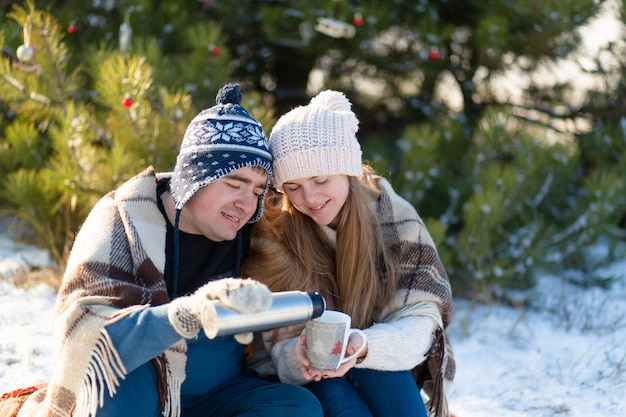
column 115, row 268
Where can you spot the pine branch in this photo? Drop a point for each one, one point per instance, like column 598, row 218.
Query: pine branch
column 50, row 29
column 19, row 87
column 550, row 113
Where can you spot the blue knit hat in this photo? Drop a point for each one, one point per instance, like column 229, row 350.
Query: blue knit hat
column 219, row 140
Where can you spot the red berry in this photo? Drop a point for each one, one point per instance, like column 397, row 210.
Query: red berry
column 357, row 20
column 127, row 101
column 215, row 50
column 71, row 29
column 434, row 54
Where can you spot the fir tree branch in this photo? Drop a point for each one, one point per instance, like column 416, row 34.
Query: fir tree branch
column 16, row 84
column 550, row 113
column 545, row 187
column 49, row 28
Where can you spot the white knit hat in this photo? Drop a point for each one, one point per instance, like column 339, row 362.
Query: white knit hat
column 316, row 139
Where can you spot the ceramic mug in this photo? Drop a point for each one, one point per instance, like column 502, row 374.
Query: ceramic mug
column 327, row 340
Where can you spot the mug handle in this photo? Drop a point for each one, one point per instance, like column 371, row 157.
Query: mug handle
column 361, row 333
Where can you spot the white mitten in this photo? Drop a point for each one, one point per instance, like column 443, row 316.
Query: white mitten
column 188, row 314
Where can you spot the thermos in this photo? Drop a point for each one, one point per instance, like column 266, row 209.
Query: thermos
column 287, row 308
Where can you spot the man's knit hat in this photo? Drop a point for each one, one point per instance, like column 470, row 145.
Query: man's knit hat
column 219, row 140
column 316, row 139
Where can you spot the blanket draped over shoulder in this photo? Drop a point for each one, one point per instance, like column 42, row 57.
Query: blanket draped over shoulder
column 115, row 268
column 423, row 279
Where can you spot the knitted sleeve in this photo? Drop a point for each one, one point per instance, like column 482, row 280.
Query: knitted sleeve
column 402, row 342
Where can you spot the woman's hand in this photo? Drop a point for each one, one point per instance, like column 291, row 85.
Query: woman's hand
column 354, row 344
column 305, row 366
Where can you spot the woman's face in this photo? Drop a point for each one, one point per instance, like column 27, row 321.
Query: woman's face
column 321, row 198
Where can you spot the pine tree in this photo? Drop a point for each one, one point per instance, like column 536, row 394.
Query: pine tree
column 108, row 87
column 504, row 189
column 403, row 59
column 510, row 205
column 80, row 120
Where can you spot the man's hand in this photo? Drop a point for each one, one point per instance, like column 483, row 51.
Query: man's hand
column 189, row 313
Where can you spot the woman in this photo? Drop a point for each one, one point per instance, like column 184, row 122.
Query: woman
column 335, row 227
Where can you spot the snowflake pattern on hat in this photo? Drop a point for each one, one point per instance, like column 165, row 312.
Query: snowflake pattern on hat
column 220, row 140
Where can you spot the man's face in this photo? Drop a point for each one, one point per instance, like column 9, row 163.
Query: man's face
column 220, row 209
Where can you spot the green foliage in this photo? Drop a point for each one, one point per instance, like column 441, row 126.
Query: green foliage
column 500, row 195
column 63, row 149
column 23, row 147
column 398, row 55
column 28, row 193
column 514, row 203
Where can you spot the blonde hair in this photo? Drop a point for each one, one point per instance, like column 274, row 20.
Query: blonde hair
column 289, row 252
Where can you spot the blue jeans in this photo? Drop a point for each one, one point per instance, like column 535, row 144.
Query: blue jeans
column 367, row 392
column 246, row 395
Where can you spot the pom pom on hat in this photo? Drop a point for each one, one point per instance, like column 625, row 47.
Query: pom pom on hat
column 217, row 141
column 230, row 93
column 316, row 139
column 332, row 100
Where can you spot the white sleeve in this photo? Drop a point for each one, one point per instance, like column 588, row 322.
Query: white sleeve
column 402, row 343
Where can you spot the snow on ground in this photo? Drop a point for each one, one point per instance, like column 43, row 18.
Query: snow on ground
column 566, row 358
column 26, row 354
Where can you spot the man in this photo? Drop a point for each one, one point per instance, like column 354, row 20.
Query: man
column 148, row 259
